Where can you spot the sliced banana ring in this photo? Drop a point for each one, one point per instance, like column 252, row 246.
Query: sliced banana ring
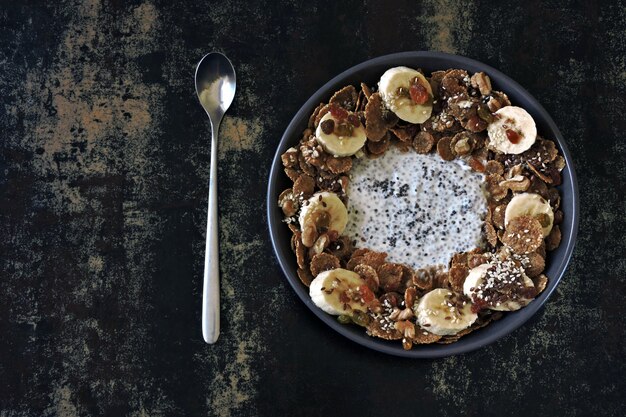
column 530, row 204
column 337, row 143
column 440, row 312
column 324, row 209
column 477, row 282
column 513, row 130
column 395, row 90
column 340, row 291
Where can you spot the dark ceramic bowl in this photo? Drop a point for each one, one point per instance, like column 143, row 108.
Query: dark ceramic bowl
column 369, row 72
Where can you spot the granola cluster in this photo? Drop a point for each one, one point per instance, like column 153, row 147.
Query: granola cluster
column 463, row 106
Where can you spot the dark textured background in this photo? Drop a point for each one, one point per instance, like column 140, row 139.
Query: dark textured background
column 104, row 166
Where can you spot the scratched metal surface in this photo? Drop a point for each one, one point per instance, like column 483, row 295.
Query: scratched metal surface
column 104, row 165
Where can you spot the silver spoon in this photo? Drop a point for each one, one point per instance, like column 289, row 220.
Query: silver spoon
column 215, row 86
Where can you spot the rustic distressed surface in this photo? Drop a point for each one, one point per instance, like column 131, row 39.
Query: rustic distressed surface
column 104, row 165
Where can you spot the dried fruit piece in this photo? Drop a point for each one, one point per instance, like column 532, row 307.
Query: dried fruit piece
column 419, row 93
column 321, row 113
column 444, row 150
column 476, row 164
column 328, row 126
column 475, row 124
column 523, row 234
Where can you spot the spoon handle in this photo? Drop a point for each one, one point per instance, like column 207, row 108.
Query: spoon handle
column 211, row 289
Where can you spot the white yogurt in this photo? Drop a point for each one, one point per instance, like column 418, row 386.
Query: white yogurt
column 417, row 208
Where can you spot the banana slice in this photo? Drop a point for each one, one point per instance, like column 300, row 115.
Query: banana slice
column 478, row 283
column 513, row 130
column 340, row 291
column 395, row 90
column 324, row 209
column 441, row 312
column 530, row 204
column 344, row 139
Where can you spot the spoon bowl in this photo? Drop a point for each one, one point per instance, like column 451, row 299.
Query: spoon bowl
column 215, row 86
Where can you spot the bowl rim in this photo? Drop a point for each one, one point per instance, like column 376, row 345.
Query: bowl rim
column 515, row 319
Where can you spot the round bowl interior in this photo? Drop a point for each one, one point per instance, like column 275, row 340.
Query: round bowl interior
column 369, row 72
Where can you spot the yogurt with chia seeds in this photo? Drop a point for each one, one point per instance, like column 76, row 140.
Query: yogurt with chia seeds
column 418, row 208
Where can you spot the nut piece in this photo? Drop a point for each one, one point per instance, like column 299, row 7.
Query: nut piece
column 481, row 81
column 410, row 294
column 517, row 183
column 288, row 203
column 290, row 158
